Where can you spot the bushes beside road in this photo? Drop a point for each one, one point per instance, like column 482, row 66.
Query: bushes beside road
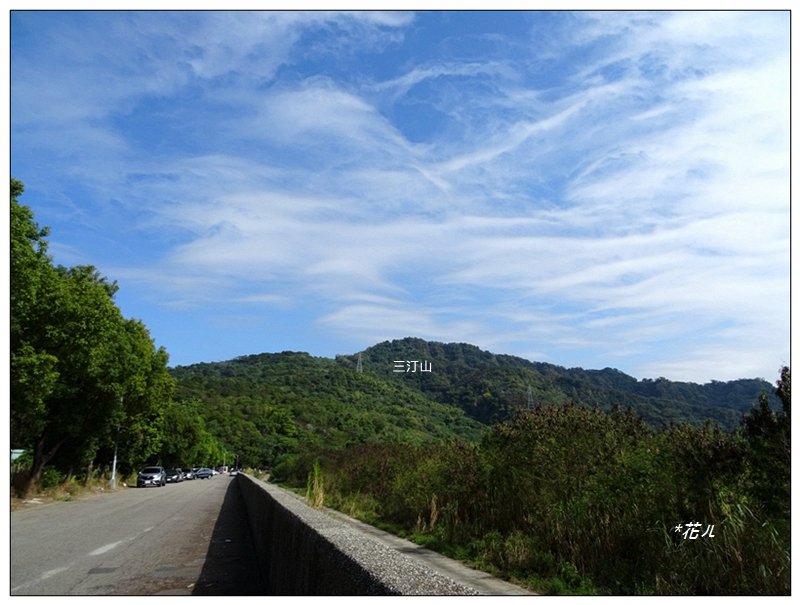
column 572, row 500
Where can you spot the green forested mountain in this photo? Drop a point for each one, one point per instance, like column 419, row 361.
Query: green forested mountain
column 567, row 497
column 488, row 386
column 264, row 406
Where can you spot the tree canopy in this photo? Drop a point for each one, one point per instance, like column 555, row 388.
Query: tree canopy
column 82, row 376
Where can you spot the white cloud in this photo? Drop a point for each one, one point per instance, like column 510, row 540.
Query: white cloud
column 638, row 203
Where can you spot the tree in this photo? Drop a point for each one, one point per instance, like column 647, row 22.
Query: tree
column 768, row 435
column 186, row 439
column 80, row 371
column 784, row 393
column 33, row 370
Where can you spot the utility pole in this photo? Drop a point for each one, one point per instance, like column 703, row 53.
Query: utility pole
column 113, row 482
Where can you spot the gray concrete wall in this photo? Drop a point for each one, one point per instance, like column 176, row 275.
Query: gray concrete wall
column 303, row 551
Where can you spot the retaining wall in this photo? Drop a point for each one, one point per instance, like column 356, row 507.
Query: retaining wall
column 304, row 551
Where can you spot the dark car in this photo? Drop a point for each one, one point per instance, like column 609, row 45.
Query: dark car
column 174, row 475
column 151, row 475
column 203, row 473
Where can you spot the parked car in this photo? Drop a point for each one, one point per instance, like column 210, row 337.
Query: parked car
column 174, row 475
column 151, row 475
column 203, row 473
column 188, row 474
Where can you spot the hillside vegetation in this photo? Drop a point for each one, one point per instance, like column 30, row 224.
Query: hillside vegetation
column 568, row 499
column 488, row 386
column 606, row 485
column 266, row 407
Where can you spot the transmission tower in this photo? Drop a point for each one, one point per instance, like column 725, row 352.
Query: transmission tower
column 359, row 366
column 530, row 398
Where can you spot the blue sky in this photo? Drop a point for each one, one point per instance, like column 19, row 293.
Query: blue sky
column 587, row 189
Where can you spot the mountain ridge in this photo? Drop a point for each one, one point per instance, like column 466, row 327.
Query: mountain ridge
column 266, row 406
column 488, row 386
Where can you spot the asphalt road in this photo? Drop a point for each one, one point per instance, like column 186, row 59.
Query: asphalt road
column 181, row 539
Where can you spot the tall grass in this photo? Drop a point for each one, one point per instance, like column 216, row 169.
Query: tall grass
column 315, row 491
column 571, row 500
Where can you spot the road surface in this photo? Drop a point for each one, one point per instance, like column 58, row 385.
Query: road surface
column 181, row 539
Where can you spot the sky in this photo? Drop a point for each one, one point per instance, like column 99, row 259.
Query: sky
column 586, row 189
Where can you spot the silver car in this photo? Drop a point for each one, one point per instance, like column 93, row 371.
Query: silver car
column 203, row 473
column 152, row 475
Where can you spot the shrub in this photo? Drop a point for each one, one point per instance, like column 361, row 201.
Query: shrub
column 579, row 501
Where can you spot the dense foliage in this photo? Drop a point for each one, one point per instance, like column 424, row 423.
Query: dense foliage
column 490, row 387
column 266, row 408
column 566, row 497
column 85, row 381
column 571, row 499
